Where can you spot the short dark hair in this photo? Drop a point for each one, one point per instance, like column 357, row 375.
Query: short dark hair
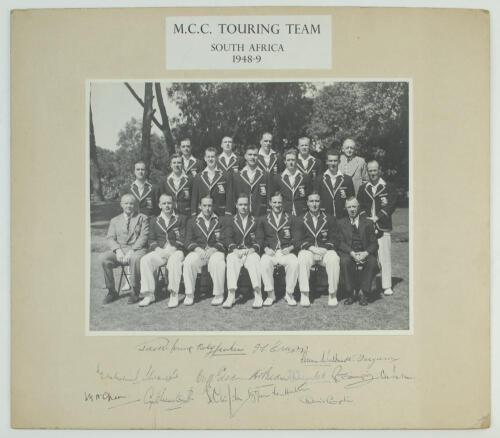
column 140, row 162
column 251, row 146
column 314, row 192
column 333, row 151
column 242, row 195
column 276, row 194
column 290, row 152
column 206, row 197
column 210, row 149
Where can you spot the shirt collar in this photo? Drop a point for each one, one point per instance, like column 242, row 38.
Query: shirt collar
column 339, row 173
column 356, row 220
column 250, row 170
column 200, row 215
column 233, row 155
column 380, row 182
column 287, row 172
column 261, row 152
column 165, row 219
column 278, row 217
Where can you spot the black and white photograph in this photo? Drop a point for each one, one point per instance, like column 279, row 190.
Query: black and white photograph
column 249, row 206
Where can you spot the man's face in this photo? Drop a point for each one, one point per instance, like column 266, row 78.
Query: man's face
column 313, row 203
column 166, row 205
column 227, row 145
column 333, row 163
column 276, row 204
column 210, row 159
column 176, row 165
column 128, row 204
column 373, row 172
column 186, row 148
column 206, row 207
column 266, row 141
column 304, row 146
column 352, row 208
column 140, row 171
column 348, row 148
column 290, row 162
column 251, row 157
column 242, row 206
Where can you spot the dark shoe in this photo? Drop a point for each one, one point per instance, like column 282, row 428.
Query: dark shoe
column 133, row 298
column 363, row 301
column 110, row 297
column 349, row 301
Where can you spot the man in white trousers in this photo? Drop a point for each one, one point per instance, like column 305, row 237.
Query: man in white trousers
column 166, row 243
column 204, row 240
column 275, row 233
column 318, row 239
column 377, row 200
column 243, row 250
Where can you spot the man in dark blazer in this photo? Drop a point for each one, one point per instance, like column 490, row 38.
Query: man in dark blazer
column 358, row 253
column 317, row 238
column 268, row 159
column 228, row 161
column 334, row 187
column 127, row 240
column 191, row 165
column 240, row 232
column 377, row 200
column 166, row 243
column 145, row 193
column 306, row 162
column 253, row 181
column 179, row 186
column 205, row 243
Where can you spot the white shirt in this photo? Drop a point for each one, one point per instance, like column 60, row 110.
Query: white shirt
column 267, row 157
column 334, row 176
column 140, row 186
column 304, row 161
column 290, row 176
column 244, row 221
column 251, row 173
column 315, row 220
column 176, row 179
column 277, row 219
column 355, row 221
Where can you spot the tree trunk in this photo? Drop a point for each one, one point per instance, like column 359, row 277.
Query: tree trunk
column 165, row 125
column 95, row 176
column 147, row 118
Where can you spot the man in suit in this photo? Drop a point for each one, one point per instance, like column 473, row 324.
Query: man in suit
column 228, row 161
column 204, row 240
column 191, row 165
column 268, row 159
column 179, row 186
column 377, row 200
column 307, row 163
column 318, row 239
column 353, row 165
column 358, row 250
column 243, row 250
column 145, row 193
column 334, row 187
column 293, row 185
column 253, row 181
column 127, row 240
column 166, row 243
column 275, row 232
column 214, row 183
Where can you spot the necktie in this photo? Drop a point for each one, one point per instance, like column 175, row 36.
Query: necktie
column 128, row 224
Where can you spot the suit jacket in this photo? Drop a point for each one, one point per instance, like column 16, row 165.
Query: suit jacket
column 259, row 191
column 325, row 234
column 273, row 235
column 219, row 189
column 371, row 204
column 234, row 164
column 366, row 231
column 135, row 238
column 197, row 234
column 294, row 197
column 174, row 231
column 194, row 166
column 147, row 203
column 334, row 193
column 238, row 237
column 181, row 195
column 355, row 168
column 276, row 164
column 313, row 167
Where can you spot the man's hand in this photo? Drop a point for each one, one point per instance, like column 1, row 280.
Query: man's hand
column 321, row 251
column 250, row 250
column 127, row 256
column 269, row 252
column 286, row 251
column 201, row 253
column 238, row 253
column 362, row 256
column 120, row 256
column 209, row 252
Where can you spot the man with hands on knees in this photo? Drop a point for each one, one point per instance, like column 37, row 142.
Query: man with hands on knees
column 204, row 240
column 166, row 239
column 243, row 250
column 275, row 233
column 127, row 239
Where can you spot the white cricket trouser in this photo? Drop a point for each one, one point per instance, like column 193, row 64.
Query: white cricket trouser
column 216, row 269
column 384, row 256
column 234, row 264
column 150, row 264
column 330, row 261
column 290, row 263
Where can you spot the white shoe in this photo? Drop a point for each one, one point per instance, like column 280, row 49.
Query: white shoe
column 173, row 301
column 304, row 299
column 290, row 300
column 388, row 292
column 269, row 301
column 229, row 301
column 147, row 300
column 217, row 300
column 189, row 300
column 257, row 301
column 332, row 300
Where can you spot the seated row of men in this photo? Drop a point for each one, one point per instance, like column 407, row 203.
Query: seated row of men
column 347, row 246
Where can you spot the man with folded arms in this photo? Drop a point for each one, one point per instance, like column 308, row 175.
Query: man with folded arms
column 275, row 232
column 358, row 253
column 127, row 239
column 166, row 239
column 228, row 161
column 205, row 241
column 243, row 250
column 318, row 237
column 377, row 200
column 178, row 185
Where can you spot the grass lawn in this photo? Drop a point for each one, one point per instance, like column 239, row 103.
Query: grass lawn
column 385, row 313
